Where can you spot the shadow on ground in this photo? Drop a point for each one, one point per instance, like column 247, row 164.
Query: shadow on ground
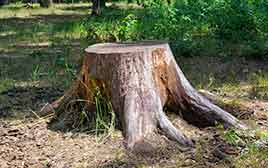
column 21, row 102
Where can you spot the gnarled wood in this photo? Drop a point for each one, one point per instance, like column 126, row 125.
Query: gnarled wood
column 142, row 78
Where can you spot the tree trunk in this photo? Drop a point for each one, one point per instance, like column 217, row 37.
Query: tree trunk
column 142, row 78
column 102, row 3
column 97, row 6
column 3, row 2
column 46, row 3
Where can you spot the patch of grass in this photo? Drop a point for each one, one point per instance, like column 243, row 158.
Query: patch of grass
column 254, row 156
column 259, row 82
column 261, row 134
column 100, row 120
column 58, row 25
column 232, row 137
column 105, row 116
column 230, row 88
column 35, row 75
column 5, row 84
column 43, row 43
column 236, row 103
column 19, row 10
column 254, row 144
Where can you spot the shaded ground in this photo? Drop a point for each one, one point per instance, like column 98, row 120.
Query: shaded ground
column 40, row 51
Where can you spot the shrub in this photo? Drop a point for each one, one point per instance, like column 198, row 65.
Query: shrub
column 193, row 27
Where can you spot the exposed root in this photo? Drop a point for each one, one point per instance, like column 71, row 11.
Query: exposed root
column 171, row 131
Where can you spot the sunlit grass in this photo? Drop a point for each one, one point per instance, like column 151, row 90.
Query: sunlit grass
column 259, row 83
column 23, row 29
column 20, row 10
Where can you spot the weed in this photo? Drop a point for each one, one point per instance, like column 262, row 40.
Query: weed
column 105, row 116
column 35, row 75
column 102, row 120
column 232, row 137
column 259, row 82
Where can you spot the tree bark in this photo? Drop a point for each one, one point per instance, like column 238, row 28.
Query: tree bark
column 97, row 6
column 142, row 78
column 46, row 3
column 3, row 2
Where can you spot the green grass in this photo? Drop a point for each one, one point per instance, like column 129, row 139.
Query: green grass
column 253, row 144
column 256, row 151
column 105, row 116
column 34, row 27
column 19, row 10
column 254, row 157
column 259, row 82
column 38, row 37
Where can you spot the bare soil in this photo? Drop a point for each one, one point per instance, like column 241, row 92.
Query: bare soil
column 29, row 141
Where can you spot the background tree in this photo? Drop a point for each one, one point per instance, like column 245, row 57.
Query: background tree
column 3, row 2
column 97, row 6
column 46, row 3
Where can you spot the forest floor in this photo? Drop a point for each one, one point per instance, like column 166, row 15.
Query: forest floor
column 40, row 51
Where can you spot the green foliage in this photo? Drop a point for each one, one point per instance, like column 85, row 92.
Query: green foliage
column 127, row 29
column 202, row 27
column 232, row 137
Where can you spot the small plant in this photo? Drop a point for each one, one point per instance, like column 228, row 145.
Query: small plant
column 70, row 70
column 127, row 28
column 232, row 137
column 35, row 75
column 105, row 116
column 212, row 81
column 102, row 123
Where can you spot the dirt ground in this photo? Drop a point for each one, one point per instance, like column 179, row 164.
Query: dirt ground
column 29, row 141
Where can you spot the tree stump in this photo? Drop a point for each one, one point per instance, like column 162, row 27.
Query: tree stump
column 142, row 78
